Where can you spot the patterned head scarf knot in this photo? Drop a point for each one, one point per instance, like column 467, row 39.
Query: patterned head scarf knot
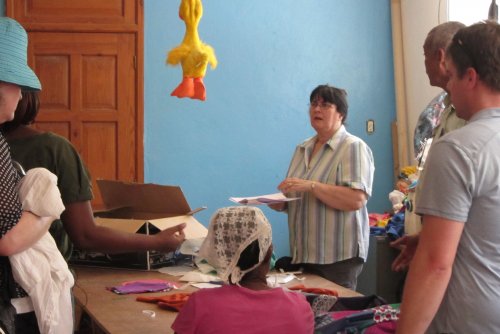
column 231, row 230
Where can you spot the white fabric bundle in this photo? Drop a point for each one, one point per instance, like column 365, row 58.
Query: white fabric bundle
column 41, row 270
column 39, row 194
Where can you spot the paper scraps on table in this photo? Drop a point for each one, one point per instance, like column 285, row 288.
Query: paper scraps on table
column 191, row 246
column 275, row 279
column 209, row 285
column 198, row 277
column 176, row 270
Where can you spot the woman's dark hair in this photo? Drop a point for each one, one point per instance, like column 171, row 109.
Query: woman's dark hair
column 250, row 256
column 333, row 95
column 26, row 112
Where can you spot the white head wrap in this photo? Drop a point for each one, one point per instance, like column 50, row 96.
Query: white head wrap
column 231, row 230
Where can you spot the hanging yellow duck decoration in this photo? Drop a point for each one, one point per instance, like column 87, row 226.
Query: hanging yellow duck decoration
column 192, row 53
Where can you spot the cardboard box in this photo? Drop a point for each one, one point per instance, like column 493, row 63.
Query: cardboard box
column 145, row 209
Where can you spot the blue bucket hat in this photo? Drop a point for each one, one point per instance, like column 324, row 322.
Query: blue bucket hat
column 13, row 56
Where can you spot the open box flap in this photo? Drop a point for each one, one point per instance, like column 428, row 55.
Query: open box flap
column 194, row 229
column 140, row 197
column 126, row 225
column 128, row 213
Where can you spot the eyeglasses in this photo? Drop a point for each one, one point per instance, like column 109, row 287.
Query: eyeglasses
column 322, row 105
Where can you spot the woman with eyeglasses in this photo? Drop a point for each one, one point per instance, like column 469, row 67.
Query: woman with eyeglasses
column 332, row 173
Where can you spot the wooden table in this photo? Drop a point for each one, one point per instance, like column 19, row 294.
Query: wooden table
column 112, row 313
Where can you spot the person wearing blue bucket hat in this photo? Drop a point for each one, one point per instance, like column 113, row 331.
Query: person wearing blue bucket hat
column 14, row 67
column 19, row 229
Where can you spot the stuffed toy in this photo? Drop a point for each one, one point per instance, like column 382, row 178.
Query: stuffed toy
column 192, row 53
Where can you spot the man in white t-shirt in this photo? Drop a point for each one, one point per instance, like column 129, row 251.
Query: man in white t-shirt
column 453, row 285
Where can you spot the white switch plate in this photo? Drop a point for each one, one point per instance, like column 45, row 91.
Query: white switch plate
column 370, row 126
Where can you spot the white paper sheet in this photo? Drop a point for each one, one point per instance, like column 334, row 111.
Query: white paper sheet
column 263, row 199
column 197, row 277
column 206, row 285
column 274, row 279
column 191, row 246
column 176, row 270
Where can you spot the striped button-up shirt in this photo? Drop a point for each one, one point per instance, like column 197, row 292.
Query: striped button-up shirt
column 318, row 233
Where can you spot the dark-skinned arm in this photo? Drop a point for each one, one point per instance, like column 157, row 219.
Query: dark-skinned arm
column 78, row 221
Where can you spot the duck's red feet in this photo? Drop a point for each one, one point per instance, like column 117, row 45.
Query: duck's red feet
column 199, row 89
column 185, row 89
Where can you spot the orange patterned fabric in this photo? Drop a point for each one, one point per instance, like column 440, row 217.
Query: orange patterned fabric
column 173, row 302
column 318, row 291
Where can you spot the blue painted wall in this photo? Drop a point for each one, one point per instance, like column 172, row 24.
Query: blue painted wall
column 271, row 55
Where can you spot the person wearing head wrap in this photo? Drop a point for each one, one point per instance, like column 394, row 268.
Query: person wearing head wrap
column 239, row 247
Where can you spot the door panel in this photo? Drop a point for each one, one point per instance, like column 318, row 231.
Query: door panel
column 88, row 95
column 102, row 135
column 75, row 14
column 88, row 55
column 57, row 68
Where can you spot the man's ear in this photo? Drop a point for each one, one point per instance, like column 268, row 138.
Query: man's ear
column 471, row 76
column 441, row 54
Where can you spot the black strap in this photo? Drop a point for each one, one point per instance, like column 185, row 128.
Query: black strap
column 7, row 291
column 7, row 283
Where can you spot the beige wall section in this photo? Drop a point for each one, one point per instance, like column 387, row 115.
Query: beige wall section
column 411, row 21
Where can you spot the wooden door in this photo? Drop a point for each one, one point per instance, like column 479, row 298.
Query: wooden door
column 88, row 56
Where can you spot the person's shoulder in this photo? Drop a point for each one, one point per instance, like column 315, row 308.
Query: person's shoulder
column 294, row 294
column 307, row 141
column 42, row 140
column 209, row 293
column 57, row 142
column 296, row 297
column 352, row 140
column 56, row 138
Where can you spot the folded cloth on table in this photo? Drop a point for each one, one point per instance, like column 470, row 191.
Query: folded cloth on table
column 173, row 302
column 319, row 291
column 320, row 303
column 358, row 303
column 377, row 320
column 142, row 286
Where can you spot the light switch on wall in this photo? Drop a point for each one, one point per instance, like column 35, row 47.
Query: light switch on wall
column 370, row 126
